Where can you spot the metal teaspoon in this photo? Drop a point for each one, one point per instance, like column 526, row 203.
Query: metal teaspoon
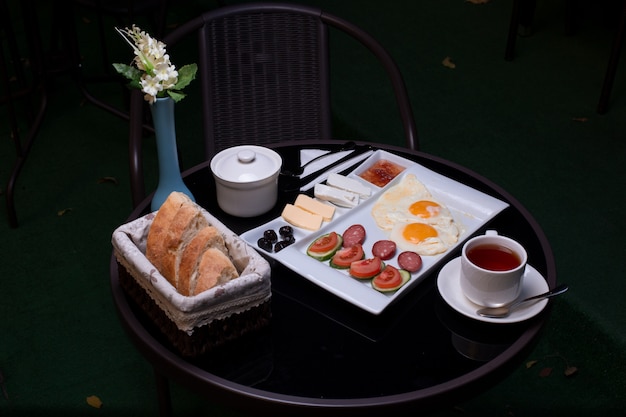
column 501, row 312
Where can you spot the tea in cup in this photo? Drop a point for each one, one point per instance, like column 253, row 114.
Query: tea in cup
column 492, row 269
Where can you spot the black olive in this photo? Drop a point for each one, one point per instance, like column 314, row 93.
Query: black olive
column 281, row 245
column 265, row 244
column 286, row 231
column 270, row 235
column 289, row 239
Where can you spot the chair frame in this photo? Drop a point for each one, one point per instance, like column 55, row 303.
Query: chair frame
column 522, row 15
column 26, row 92
column 326, row 20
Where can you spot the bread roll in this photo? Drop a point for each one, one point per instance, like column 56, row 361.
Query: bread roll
column 185, row 225
column 160, row 225
column 187, row 251
column 214, row 268
column 208, row 237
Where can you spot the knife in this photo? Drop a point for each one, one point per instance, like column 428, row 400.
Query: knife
column 320, row 175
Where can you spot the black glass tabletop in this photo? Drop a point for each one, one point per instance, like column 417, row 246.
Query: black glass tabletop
column 321, row 352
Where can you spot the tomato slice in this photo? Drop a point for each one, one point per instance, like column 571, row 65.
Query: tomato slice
column 344, row 257
column 389, row 278
column 325, row 243
column 366, row 268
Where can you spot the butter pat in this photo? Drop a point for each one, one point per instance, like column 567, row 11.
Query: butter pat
column 348, row 184
column 339, row 197
column 317, row 207
column 301, row 218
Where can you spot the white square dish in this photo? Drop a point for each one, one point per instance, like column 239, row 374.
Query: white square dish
column 469, row 207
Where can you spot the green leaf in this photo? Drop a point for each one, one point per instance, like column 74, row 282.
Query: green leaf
column 176, row 95
column 135, row 84
column 127, row 71
column 186, row 75
column 131, row 73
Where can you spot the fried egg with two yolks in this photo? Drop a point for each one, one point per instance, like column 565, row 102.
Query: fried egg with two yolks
column 414, row 219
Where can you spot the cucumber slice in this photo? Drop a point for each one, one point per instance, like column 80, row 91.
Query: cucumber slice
column 406, row 276
column 324, row 256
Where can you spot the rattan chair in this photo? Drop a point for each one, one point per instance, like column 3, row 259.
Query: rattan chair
column 264, row 78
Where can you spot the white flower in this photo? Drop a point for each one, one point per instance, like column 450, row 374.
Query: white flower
column 151, row 58
column 164, row 72
column 151, row 86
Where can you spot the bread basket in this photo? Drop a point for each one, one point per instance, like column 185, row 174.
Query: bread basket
column 195, row 325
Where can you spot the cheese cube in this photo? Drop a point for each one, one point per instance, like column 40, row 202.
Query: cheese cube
column 301, row 218
column 314, row 206
column 348, row 184
column 342, row 198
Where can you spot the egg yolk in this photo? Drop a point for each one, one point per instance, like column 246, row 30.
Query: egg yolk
column 424, row 209
column 417, row 232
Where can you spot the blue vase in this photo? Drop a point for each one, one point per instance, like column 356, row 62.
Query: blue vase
column 169, row 172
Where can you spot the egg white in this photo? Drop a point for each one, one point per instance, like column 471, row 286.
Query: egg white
column 392, row 213
column 446, row 236
column 392, row 205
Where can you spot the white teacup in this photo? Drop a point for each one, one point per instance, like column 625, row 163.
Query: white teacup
column 492, row 269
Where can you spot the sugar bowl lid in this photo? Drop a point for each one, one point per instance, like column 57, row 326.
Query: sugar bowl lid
column 246, row 163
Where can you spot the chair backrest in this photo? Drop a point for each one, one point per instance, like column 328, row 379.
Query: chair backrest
column 264, row 74
column 265, row 77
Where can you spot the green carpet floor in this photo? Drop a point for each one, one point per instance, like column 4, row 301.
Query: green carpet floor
column 529, row 125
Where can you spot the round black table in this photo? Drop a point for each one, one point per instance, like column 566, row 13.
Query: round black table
column 322, row 355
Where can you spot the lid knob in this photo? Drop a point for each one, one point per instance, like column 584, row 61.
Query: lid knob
column 246, row 156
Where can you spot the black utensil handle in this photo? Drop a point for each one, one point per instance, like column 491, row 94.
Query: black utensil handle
column 358, row 151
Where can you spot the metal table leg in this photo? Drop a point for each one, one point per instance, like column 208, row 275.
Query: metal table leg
column 163, row 394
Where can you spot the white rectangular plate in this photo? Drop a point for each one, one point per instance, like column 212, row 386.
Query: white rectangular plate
column 469, row 207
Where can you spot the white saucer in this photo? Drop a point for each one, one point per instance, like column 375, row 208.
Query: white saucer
column 450, row 289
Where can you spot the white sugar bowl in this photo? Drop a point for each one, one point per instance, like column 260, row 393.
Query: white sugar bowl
column 246, row 179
